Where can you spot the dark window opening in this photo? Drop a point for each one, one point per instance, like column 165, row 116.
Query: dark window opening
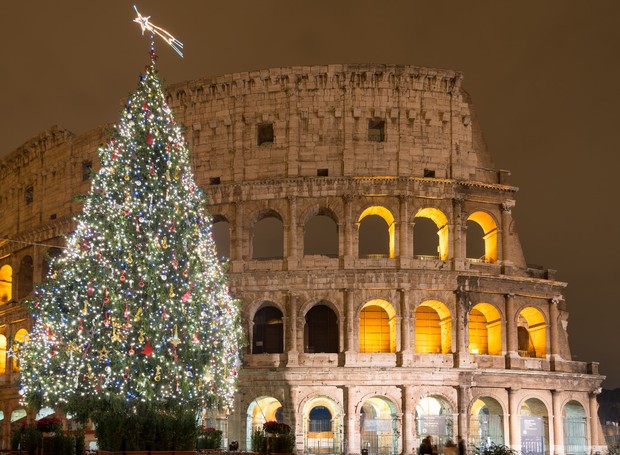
column 428, row 173
column 25, row 280
column 87, row 169
column 220, row 231
column 29, row 195
column 265, row 133
column 321, row 236
column 53, row 216
column 376, row 130
column 374, row 237
column 322, row 172
column 268, row 239
column 321, row 330
column 214, row 180
column 475, row 241
column 268, row 337
column 425, row 238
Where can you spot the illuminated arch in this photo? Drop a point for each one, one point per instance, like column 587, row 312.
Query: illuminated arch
column 433, row 328
column 18, row 340
column 268, row 236
column 486, row 422
column 262, row 409
column 379, row 425
column 322, row 423
column 532, row 333
column 575, row 428
column 387, row 216
column 6, row 284
column 377, row 327
column 268, row 330
column 534, row 418
column 441, row 221
column 489, row 229
column 485, row 330
column 2, row 354
column 435, row 417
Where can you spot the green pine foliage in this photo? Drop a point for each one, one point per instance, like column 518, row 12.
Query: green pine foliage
column 137, row 310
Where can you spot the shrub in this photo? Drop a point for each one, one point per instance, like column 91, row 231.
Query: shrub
column 494, row 449
column 209, row 438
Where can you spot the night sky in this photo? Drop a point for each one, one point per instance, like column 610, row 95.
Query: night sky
column 544, row 77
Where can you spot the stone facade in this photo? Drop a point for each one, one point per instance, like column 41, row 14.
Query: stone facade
column 364, row 331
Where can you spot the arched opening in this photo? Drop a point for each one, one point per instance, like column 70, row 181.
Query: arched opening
column 532, row 333
column 268, row 237
column 51, row 253
column 481, row 230
column 485, row 330
column 25, row 283
column 379, row 426
column 430, row 234
column 6, row 284
column 220, row 231
column 434, row 418
column 534, row 426
column 575, row 428
column 486, row 423
column 321, row 236
column 44, row 412
column 262, row 409
column 18, row 420
column 322, row 418
column 2, row 354
column 268, row 331
column 321, row 330
column 433, row 328
column 18, row 341
column 376, row 233
column 377, row 327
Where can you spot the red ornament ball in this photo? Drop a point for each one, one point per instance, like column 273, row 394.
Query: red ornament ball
column 149, row 139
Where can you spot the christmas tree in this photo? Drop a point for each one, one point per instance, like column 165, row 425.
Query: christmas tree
column 137, row 310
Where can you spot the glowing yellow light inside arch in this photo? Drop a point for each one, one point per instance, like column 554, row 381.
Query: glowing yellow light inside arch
column 489, row 227
column 485, row 330
column 372, row 328
column 441, row 221
column 387, row 217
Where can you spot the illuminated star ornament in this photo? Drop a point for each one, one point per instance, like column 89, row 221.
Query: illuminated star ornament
column 154, row 29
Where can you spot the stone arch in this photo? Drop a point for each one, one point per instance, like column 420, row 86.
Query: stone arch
column 368, row 245
column 575, row 424
column 322, row 417
column 220, row 231
column 378, row 425
column 377, row 327
column 262, row 409
column 433, row 328
column 440, row 221
column 268, row 330
column 268, row 236
column 321, row 233
column 321, row 329
column 534, row 419
column 489, row 235
column 434, row 417
column 2, row 354
column 486, row 425
column 485, row 330
column 6, row 284
column 26, row 278
column 19, row 338
column 531, row 333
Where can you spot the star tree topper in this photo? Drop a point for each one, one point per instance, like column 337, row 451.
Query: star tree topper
column 154, row 29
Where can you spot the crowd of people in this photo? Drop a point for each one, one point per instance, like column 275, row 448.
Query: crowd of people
column 450, row 448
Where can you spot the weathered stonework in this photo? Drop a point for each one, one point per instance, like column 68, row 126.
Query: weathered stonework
column 450, row 339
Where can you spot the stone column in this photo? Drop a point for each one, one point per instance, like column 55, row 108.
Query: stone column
column 291, row 331
column 558, row 430
column 506, row 254
column 405, row 355
column 554, row 322
column 594, row 423
column 350, row 348
column 351, row 425
column 512, row 345
column 406, row 248
column 463, row 394
column 292, row 251
column 408, row 433
column 349, row 223
column 458, row 251
column 462, row 358
column 237, row 246
column 514, row 420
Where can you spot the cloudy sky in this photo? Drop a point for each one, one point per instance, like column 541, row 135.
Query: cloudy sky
column 544, row 76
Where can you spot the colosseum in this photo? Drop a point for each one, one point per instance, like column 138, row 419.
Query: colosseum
column 370, row 237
